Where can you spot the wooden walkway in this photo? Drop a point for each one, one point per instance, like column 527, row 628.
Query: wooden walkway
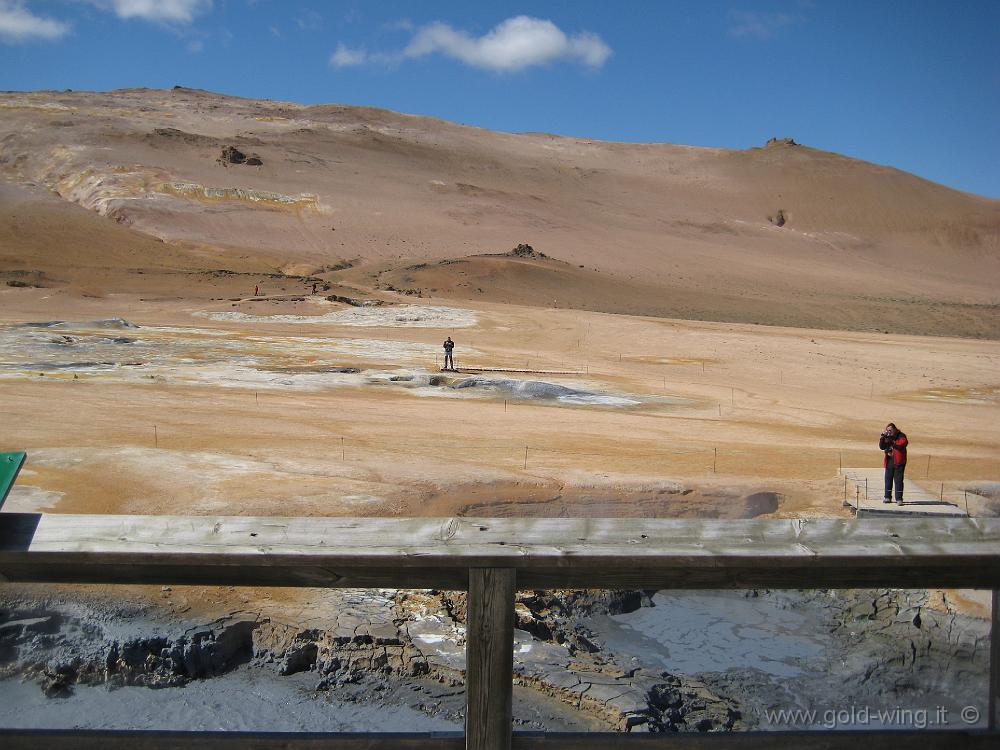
column 865, row 492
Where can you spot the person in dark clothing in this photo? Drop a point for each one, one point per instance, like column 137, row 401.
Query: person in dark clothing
column 449, row 345
column 893, row 444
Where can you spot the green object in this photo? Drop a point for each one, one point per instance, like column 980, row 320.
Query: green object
column 10, row 465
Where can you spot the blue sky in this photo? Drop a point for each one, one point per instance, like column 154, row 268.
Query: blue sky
column 912, row 84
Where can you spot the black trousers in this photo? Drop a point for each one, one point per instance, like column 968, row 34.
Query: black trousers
column 894, row 475
column 448, row 359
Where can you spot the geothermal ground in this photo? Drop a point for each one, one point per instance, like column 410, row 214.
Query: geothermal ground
column 184, row 335
column 267, row 406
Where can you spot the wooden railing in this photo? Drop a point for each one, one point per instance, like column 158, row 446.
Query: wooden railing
column 491, row 558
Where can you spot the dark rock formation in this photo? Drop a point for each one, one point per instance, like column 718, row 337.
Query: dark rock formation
column 26, row 279
column 525, row 251
column 232, row 155
column 355, row 302
column 408, row 292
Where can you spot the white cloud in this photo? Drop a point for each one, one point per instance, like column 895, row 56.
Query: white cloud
column 345, row 57
column 515, row 44
column 164, row 11
column 759, row 25
column 195, row 46
column 18, row 24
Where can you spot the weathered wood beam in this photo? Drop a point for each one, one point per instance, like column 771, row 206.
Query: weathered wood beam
column 489, row 658
column 22, row 739
column 817, row 740
column 547, row 553
column 71, row 739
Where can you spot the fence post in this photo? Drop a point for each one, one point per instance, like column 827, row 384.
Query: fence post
column 489, row 659
column 993, row 719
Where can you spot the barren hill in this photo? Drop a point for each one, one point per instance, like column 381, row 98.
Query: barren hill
column 781, row 234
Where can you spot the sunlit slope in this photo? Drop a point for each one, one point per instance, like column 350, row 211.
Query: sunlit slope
column 784, row 227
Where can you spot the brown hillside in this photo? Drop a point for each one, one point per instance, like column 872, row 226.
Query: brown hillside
column 777, row 234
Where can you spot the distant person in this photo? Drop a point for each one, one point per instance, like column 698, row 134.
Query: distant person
column 256, row 290
column 893, row 444
column 449, row 346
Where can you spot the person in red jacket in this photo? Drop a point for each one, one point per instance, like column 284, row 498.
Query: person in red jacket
column 893, row 443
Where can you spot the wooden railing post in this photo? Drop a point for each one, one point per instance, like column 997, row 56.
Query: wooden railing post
column 489, row 658
column 994, row 704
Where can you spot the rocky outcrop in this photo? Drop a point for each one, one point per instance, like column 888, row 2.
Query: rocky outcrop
column 195, row 191
column 525, row 251
column 353, row 302
column 117, row 191
column 232, row 155
column 25, row 279
column 201, row 652
column 59, row 651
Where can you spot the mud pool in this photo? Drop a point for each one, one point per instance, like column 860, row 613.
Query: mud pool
column 244, row 700
column 717, row 631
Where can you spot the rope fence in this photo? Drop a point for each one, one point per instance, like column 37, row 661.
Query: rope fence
column 705, row 459
column 805, row 462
